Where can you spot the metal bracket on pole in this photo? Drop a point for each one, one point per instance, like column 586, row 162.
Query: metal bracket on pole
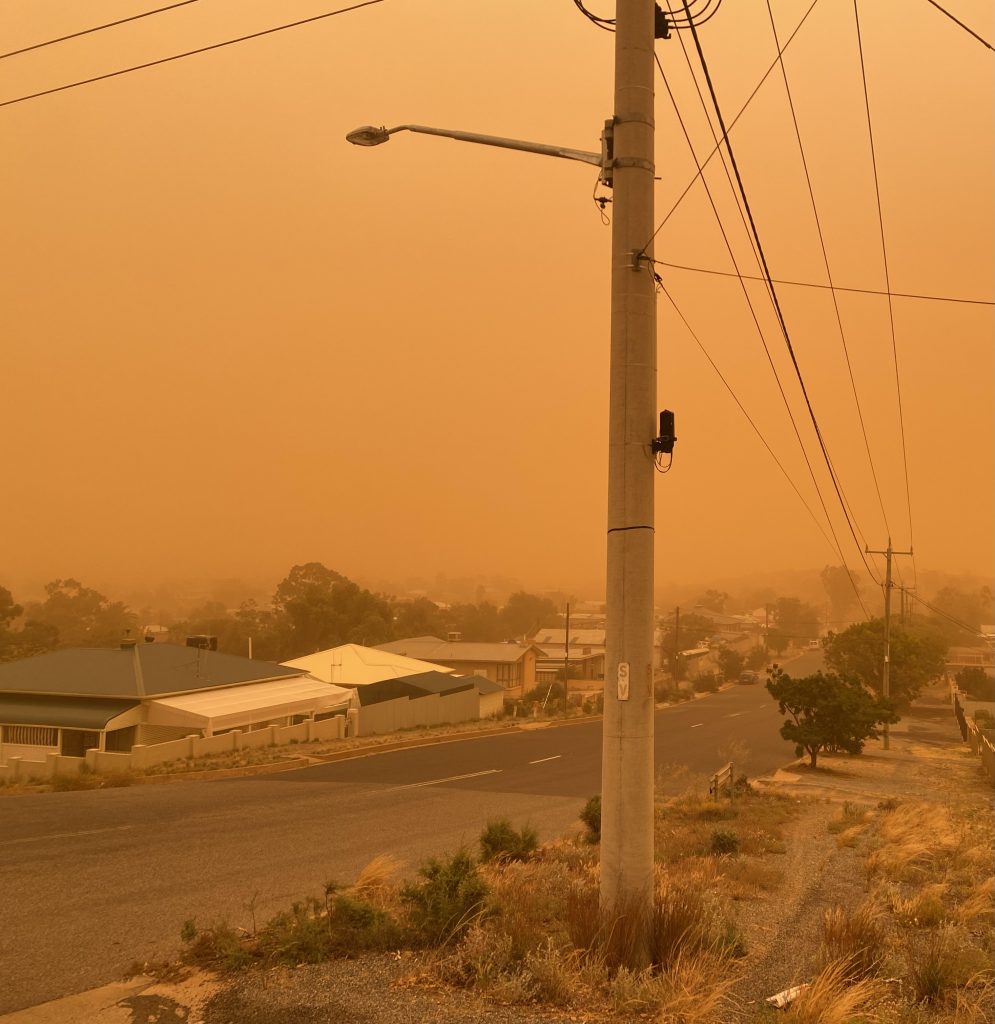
column 634, row 259
column 608, row 153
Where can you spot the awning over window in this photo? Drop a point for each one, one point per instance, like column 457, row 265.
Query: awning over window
column 63, row 712
column 236, row 706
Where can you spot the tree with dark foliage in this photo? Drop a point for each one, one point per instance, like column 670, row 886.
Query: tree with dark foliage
column 827, row 712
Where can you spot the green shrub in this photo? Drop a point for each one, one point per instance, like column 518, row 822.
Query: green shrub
column 188, row 932
column 499, row 841
column 707, row 682
column 590, row 815
column 723, row 842
column 448, row 899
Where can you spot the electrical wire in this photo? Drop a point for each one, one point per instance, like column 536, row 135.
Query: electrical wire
column 756, row 320
column 969, row 31
column 887, row 281
column 732, row 124
column 191, row 53
column 944, row 615
column 749, row 418
column 95, row 28
column 848, row 515
column 829, row 276
column 826, row 287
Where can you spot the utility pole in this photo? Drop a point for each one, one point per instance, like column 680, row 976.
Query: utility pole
column 766, row 629
column 627, row 739
column 677, row 646
column 566, row 654
column 885, row 678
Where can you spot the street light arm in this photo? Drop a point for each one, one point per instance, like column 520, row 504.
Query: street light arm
column 369, row 136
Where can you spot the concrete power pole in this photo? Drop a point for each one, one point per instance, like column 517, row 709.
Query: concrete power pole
column 627, row 748
column 677, row 646
column 886, row 671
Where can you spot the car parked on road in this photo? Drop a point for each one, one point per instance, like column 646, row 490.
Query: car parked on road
column 749, row 676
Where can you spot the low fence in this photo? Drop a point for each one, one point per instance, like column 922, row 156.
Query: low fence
column 146, row 756
column 972, row 735
column 411, row 712
column 722, row 779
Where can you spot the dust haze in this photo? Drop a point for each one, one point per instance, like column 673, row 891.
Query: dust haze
column 234, row 343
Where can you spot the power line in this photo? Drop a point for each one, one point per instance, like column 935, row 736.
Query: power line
column 887, row 281
column 829, row 276
column 190, row 53
column 827, row 287
column 945, row 615
column 749, row 302
column 749, row 419
column 732, row 124
column 969, row 31
column 850, row 521
column 96, row 28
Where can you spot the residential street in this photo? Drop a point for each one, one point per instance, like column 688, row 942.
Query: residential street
column 95, row 880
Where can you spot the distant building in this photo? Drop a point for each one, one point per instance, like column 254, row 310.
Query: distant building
column 513, row 666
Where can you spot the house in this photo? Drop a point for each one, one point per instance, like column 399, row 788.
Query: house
column 513, row 666
column 369, row 670
column 113, row 699
column 585, row 653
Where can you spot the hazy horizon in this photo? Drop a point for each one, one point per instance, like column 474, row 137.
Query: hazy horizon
column 234, row 343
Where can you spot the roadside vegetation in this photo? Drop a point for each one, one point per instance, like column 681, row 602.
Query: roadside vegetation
column 519, row 924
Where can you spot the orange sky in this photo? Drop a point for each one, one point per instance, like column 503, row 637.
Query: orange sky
column 233, row 342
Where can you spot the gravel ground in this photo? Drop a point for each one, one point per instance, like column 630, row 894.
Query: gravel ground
column 368, row 990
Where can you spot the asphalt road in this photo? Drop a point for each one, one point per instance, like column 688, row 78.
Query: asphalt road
column 92, row 881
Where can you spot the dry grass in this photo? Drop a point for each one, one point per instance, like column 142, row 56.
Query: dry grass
column 923, row 909
column 854, row 939
column 374, row 882
column 915, row 840
column 975, row 1002
column 833, row 998
column 977, row 911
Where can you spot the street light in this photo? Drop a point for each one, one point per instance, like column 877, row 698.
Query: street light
column 369, row 135
column 626, row 163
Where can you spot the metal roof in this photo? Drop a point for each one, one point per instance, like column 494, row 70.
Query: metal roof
column 149, row 670
column 234, row 706
column 61, row 712
column 431, row 648
column 355, row 665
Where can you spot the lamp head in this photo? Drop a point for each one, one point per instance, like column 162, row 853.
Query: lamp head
column 368, row 136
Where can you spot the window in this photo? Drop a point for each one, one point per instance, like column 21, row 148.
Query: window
column 508, row 673
column 31, row 735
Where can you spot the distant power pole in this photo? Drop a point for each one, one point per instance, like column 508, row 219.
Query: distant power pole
column 886, row 681
column 766, row 629
column 566, row 655
column 677, row 645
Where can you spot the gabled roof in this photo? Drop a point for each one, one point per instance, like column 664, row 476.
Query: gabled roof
column 150, row 670
column 413, row 687
column 431, row 648
column 354, row 665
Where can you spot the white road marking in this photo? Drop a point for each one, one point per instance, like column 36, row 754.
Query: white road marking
column 735, row 714
column 452, row 778
column 67, row 835
column 697, row 725
column 543, row 760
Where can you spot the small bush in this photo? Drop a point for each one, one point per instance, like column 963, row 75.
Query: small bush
column 939, row 961
column 707, row 682
column 853, row 939
column 68, row 783
column 448, row 899
column 724, row 842
column 590, row 815
column 220, row 947
column 499, row 841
